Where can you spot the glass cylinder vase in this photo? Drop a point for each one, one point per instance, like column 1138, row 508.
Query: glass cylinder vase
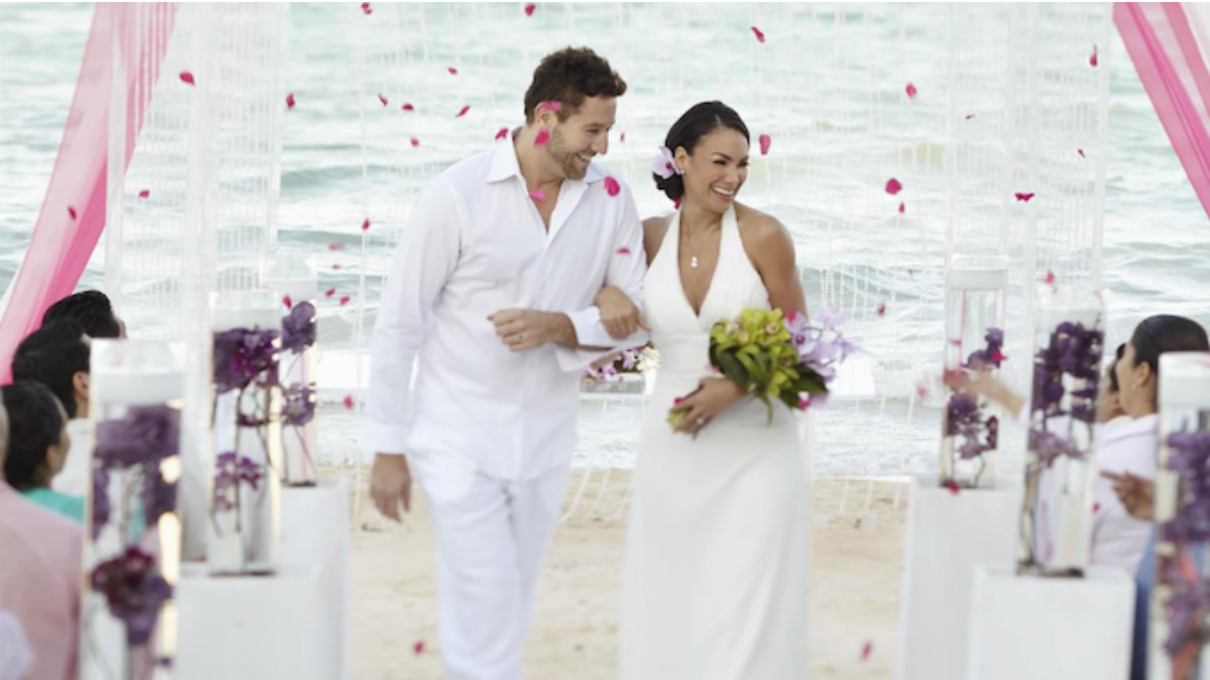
column 295, row 282
column 976, row 290
column 1056, row 515
column 245, row 487
column 132, row 543
column 1180, row 603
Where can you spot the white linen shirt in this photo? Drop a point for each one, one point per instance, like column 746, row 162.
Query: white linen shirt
column 474, row 245
column 1122, row 445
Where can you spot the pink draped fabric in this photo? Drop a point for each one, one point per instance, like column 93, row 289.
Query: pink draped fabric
column 73, row 212
column 1166, row 54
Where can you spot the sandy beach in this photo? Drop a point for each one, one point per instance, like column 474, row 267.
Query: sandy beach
column 856, row 569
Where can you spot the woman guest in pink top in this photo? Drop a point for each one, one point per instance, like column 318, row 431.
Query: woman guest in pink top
column 40, row 577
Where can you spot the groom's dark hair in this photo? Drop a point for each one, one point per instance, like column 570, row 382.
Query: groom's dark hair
column 569, row 76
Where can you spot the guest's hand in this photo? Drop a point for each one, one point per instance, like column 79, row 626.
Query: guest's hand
column 1136, row 493
column 523, row 329
column 713, row 396
column 391, row 485
column 983, row 383
column 619, row 314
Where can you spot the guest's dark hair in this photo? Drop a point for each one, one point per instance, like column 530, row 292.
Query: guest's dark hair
column 699, row 121
column 91, row 308
column 569, row 76
column 1162, row 333
column 52, row 355
column 1114, row 387
column 37, row 424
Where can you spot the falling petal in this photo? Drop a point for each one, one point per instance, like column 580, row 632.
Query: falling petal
column 553, row 105
column 383, row 98
column 287, row 302
column 922, row 392
column 290, row 101
column 911, row 272
column 336, row 266
column 144, row 193
column 866, row 649
column 622, row 139
column 677, row 204
column 1050, row 277
column 910, row 90
column 415, row 142
column 336, row 246
column 1096, row 507
column 453, row 71
column 542, row 138
column 463, row 110
column 502, row 133
column 349, row 403
column 418, row 646
column 365, row 7
column 882, row 309
column 1081, row 152
column 529, row 9
column 329, row 292
column 765, row 142
column 969, row 116
column 1024, row 197
column 365, row 226
column 623, row 251
column 902, row 208
column 537, row 195
column 952, row 486
column 71, row 212
column 612, row 187
column 187, row 78
column 893, row 186
column 407, row 106
column 1093, row 61
column 760, row 36
column 344, row 300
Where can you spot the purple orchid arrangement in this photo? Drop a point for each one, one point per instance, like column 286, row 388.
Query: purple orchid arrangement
column 626, row 362
column 230, row 472
column 1073, row 352
column 242, row 355
column 1188, row 602
column 134, row 591
column 974, row 434
column 298, row 328
column 298, row 408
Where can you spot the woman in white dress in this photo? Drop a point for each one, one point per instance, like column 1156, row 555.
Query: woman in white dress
column 715, row 581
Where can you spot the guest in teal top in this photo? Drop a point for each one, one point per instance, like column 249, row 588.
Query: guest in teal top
column 37, row 446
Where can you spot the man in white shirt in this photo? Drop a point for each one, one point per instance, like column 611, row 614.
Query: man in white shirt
column 492, row 289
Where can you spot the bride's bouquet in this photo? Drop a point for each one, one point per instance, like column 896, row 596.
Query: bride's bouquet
column 778, row 358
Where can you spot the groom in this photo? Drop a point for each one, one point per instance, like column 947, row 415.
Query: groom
column 492, row 289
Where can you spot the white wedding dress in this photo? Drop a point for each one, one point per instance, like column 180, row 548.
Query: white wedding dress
column 715, row 577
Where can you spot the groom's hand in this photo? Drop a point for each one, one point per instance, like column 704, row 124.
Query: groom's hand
column 523, row 329
column 391, row 485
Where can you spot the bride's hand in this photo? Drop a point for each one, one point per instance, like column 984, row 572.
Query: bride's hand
column 619, row 314
column 712, row 397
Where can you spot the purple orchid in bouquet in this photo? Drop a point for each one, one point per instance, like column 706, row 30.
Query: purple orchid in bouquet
column 298, row 328
column 231, row 471
column 821, row 347
column 242, row 355
column 134, row 592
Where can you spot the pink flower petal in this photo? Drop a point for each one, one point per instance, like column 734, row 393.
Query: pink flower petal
column 623, row 251
column 882, row 309
column 911, row 272
column 344, row 300
column 804, row 403
column 542, row 138
column 952, row 486
column 463, row 110
column 760, row 37
column 290, row 101
column 922, row 392
column 1081, row 152
column 336, row 246
column 349, row 403
column 329, row 292
column 1050, row 277
column 144, row 194
column 866, row 649
column 187, row 78
column 1024, row 197
column 365, row 225
column 383, row 98
column 418, row 646
column 910, row 90
column 969, row 116
column 502, row 133
column 537, row 195
column 1096, row 507
column 677, row 401
column 365, row 7
column 71, row 212
column 336, row 266
column 415, row 143
column 453, row 71
column 553, row 105
column 893, row 186
column 1093, row 61
column 902, row 208
column 677, row 204
column 612, row 187
column 407, row 106
column 287, row 302
column 765, row 142
column 622, row 139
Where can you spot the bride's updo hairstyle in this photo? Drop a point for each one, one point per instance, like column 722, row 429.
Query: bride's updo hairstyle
column 699, row 121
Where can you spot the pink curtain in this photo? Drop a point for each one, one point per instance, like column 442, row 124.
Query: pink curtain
column 73, row 212
column 1166, row 54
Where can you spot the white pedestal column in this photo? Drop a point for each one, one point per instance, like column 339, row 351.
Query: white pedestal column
column 948, row 535
column 1050, row 628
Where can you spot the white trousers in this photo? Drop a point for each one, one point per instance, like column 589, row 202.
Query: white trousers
column 491, row 539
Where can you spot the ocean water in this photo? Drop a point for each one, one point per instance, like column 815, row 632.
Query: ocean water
column 1156, row 251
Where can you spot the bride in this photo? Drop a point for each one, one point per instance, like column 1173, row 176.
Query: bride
column 715, row 577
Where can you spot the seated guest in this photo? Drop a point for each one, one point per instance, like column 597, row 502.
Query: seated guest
column 37, row 446
column 41, row 575
column 57, row 356
column 1109, row 406
column 92, row 309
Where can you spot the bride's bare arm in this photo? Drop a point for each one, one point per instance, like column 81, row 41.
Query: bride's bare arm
column 771, row 251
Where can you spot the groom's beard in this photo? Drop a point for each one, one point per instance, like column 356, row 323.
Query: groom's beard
column 565, row 158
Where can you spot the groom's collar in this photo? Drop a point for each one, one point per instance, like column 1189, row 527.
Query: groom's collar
column 505, row 163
